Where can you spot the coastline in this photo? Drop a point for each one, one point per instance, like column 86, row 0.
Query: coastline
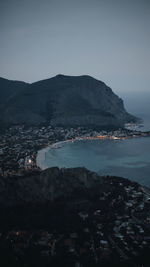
column 41, row 154
column 40, row 158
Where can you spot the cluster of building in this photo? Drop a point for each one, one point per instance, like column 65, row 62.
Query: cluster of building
column 114, row 227
column 19, row 144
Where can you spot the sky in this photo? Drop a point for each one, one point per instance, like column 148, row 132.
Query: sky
column 107, row 39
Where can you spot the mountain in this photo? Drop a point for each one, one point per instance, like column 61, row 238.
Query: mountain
column 64, row 101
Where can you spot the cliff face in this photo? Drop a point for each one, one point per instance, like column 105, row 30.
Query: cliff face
column 67, row 101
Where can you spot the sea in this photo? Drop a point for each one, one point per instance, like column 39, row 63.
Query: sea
column 128, row 158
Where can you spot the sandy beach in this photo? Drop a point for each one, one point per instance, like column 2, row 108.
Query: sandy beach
column 40, row 159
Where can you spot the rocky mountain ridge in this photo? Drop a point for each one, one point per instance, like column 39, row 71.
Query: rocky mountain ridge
column 64, row 101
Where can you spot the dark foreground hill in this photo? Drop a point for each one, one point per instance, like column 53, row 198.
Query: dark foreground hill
column 63, row 100
column 73, row 218
column 46, row 186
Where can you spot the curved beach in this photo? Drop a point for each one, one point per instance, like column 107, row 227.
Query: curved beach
column 41, row 154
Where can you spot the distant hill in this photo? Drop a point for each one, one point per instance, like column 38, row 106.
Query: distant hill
column 64, row 101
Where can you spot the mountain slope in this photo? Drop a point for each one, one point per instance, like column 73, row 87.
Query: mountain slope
column 68, row 101
column 9, row 89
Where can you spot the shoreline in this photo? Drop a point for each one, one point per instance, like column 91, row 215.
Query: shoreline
column 41, row 154
column 40, row 158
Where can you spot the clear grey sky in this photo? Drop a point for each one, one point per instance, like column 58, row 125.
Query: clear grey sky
column 107, row 39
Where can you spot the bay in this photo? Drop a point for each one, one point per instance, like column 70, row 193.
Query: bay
column 126, row 158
